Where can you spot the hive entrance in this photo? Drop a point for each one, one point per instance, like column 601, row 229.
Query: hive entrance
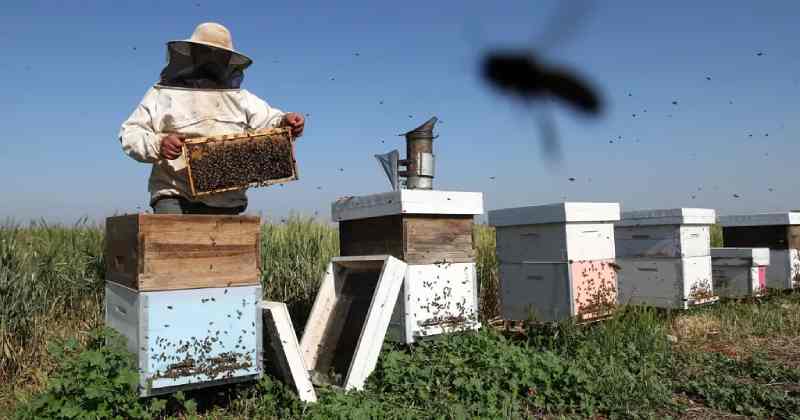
column 226, row 163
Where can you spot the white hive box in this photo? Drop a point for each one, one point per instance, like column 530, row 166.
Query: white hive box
column 557, row 260
column 665, row 257
column 435, row 299
column 673, row 283
column 672, row 233
column 282, row 351
column 780, row 232
column 187, row 339
column 739, row 272
column 432, row 232
column 348, row 321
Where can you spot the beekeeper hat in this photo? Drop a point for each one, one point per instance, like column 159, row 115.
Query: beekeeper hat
column 213, row 35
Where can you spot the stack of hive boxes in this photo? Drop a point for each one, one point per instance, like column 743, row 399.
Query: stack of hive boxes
column 557, row 260
column 184, row 291
column 431, row 231
column 665, row 257
column 739, row 272
column 780, row 232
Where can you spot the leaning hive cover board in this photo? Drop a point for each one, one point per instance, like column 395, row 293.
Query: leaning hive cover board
column 238, row 161
column 282, row 352
column 188, row 338
column 349, row 319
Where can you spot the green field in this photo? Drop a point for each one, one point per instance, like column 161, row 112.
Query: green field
column 731, row 359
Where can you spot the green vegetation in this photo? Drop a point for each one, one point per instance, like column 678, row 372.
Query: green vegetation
column 734, row 358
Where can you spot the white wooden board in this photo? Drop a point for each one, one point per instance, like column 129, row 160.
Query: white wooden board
column 282, row 350
column 763, row 219
column 407, row 202
column 350, row 316
column 678, row 216
column 555, row 213
column 435, row 299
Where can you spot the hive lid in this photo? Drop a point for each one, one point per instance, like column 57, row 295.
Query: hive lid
column 760, row 256
column 678, row 216
column 555, row 213
column 762, row 219
column 407, row 202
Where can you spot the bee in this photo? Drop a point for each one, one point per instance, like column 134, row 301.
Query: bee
column 522, row 73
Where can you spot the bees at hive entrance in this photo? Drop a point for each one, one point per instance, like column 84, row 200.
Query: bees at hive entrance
column 521, row 73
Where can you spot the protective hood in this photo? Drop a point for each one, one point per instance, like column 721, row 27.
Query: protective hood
column 191, row 65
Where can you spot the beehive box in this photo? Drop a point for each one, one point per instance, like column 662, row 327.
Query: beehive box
column 780, row 232
column 557, row 260
column 238, row 161
column 432, row 232
column 665, row 257
column 188, row 338
column 555, row 291
column 348, row 321
column 149, row 252
column 739, row 272
column 416, row 226
column 435, row 299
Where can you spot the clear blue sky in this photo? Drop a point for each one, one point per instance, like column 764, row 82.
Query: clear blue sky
column 73, row 71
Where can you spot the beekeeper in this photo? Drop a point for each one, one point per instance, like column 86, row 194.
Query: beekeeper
column 198, row 95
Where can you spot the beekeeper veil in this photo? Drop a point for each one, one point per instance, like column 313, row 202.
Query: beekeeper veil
column 206, row 60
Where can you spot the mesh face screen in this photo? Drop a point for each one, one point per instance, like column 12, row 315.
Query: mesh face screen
column 201, row 66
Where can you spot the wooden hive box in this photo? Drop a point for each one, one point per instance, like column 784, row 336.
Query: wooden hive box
column 237, row 161
column 739, row 272
column 556, row 261
column 187, row 339
column 416, row 226
column 664, row 257
column 669, row 233
column 148, row 252
column 780, row 232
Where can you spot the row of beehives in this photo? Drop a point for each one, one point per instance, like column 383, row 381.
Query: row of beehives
column 581, row 259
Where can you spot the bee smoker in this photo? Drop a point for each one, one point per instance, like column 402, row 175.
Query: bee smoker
column 419, row 162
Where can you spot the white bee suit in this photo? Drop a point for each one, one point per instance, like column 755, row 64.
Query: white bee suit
column 191, row 113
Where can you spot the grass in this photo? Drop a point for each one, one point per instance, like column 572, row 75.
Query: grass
column 731, row 359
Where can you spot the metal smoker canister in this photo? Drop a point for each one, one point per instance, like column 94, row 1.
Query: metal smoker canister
column 419, row 160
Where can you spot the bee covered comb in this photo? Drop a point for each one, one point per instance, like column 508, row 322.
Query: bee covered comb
column 237, row 161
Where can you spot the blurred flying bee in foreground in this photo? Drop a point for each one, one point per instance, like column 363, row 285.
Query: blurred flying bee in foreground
column 521, row 73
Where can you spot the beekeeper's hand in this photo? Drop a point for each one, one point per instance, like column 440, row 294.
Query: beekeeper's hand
column 171, row 146
column 296, row 122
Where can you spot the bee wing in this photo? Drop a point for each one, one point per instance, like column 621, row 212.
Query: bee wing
column 562, row 25
column 548, row 134
column 565, row 85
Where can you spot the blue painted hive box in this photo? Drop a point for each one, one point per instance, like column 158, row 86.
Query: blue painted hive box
column 189, row 338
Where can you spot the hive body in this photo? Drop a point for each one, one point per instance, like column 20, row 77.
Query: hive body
column 739, row 272
column 557, row 260
column 432, row 232
column 183, row 290
column 780, row 232
column 665, row 257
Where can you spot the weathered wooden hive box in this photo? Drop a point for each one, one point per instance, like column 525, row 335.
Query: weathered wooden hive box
column 184, row 291
column 739, row 272
column 665, row 257
column 780, row 232
column 432, row 232
column 557, row 260
column 350, row 317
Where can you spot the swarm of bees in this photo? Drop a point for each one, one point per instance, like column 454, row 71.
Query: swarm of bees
column 225, row 164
